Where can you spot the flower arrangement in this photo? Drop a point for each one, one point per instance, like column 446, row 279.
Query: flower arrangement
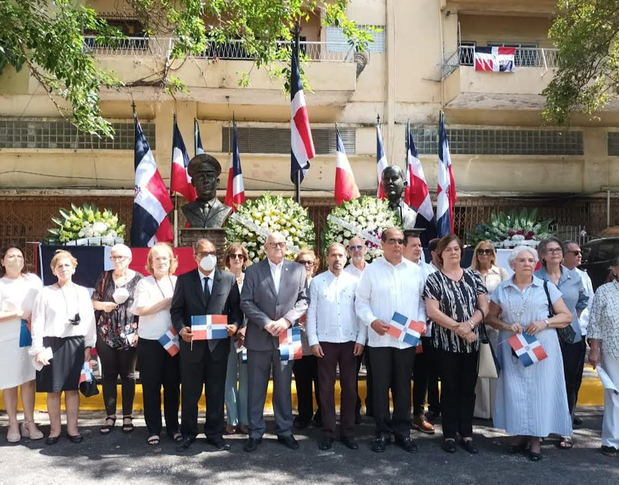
column 87, row 225
column 366, row 217
column 256, row 219
column 509, row 230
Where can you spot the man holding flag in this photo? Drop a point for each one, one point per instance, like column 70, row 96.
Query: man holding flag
column 446, row 191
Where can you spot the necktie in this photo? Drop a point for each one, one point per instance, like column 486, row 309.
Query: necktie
column 207, row 293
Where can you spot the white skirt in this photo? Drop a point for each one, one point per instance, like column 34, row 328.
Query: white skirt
column 15, row 362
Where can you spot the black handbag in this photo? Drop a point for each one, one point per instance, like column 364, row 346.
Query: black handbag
column 567, row 334
column 88, row 386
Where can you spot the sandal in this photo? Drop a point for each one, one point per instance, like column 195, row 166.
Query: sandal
column 153, row 440
column 566, row 443
column 127, row 426
column 110, row 421
column 30, row 430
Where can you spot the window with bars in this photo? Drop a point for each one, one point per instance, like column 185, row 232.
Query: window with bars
column 613, row 143
column 337, row 41
column 526, row 53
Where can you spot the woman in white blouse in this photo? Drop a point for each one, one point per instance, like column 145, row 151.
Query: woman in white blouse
column 603, row 332
column 63, row 332
column 158, row 367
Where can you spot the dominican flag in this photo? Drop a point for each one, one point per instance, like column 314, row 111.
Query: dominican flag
column 235, row 193
column 446, row 190
column 152, row 201
column 381, row 163
column 180, row 181
column 169, row 341
column 197, row 141
column 301, row 143
column 290, row 344
column 86, row 373
column 495, row 59
column 209, row 327
column 417, row 194
column 528, row 349
column 345, row 185
column 405, row 330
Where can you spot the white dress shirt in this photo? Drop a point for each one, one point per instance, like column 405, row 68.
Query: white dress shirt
column 384, row 289
column 331, row 313
column 353, row 270
column 276, row 273
column 147, row 293
column 588, row 286
column 204, row 278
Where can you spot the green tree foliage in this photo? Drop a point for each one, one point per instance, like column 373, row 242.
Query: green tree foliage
column 47, row 37
column 586, row 33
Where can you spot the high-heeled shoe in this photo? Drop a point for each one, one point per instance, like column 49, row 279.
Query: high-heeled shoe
column 29, row 430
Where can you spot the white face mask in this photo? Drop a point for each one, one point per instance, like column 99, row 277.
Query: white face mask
column 207, row 263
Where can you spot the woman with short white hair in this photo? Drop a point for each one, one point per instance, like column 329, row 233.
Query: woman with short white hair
column 531, row 402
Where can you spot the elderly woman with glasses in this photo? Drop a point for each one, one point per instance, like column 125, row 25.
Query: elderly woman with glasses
column 551, row 253
column 117, row 335
column 237, row 259
column 484, row 263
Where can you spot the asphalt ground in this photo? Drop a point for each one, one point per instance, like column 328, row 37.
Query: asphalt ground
column 120, row 458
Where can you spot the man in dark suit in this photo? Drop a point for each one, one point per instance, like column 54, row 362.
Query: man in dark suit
column 274, row 296
column 204, row 291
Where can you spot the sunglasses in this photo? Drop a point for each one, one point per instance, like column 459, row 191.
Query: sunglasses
column 306, row 263
column 356, row 248
column 576, row 252
column 236, row 256
column 485, row 251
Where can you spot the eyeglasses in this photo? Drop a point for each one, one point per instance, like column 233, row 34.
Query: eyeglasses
column 280, row 245
column 236, row 256
column 201, row 254
column 485, row 251
column 359, row 247
column 118, row 258
column 554, row 250
column 306, row 263
column 392, row 240
column 576, row 252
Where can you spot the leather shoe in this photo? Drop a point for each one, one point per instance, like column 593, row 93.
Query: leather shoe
column 186, row 443
column 219, row 443
column 75, row 438
column 289, row 442
column 406, row 443
column 469, row 446
column 422, row 424
column 380, row 443
column 52, row 440
column 449, row 445
column 300, row 423
column 325, row 444
column 252, row 444
column 350, row 443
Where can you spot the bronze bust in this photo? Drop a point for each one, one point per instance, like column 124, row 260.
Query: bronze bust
column 393, row 187
column 206, row 211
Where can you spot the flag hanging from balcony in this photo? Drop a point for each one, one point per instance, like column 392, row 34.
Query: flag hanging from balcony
column 301, row 143
column 417, row 194
column 446, row 190
column 197, row 141
column 180, row 181
column 345, row 185
column 152, row 201
column 495, row 59
column 381, row 163
column 235, row 193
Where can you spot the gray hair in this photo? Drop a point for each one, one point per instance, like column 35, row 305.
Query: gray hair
column 121, row 249
column 517, row 250
column 541, row 248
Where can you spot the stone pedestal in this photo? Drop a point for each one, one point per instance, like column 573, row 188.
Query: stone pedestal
column 189, row 235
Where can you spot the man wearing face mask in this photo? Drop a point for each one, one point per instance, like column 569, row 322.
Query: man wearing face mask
column 274, row 296
column 204, row 291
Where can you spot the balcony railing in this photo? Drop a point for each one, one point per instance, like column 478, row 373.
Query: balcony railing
column 525, row 56
column 231, row 50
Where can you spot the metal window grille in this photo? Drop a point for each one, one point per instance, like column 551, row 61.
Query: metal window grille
column 613, row 143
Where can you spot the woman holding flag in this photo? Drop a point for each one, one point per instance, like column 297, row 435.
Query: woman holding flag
column 531, row 401
column 158, row 348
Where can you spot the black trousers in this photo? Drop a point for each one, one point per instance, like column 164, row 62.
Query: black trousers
column 114, row 363
column 363, row 358
column 573, row 364
column 208, row 372
column 458, row 377
column 305, row 372
column 158, row 368
column 391, row 369
column 425, row 376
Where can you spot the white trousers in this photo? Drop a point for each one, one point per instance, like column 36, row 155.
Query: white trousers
column 610, row 421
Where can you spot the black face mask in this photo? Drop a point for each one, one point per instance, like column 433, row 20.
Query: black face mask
column 75, row 320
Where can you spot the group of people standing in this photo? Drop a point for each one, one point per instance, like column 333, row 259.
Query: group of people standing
column 345, row 314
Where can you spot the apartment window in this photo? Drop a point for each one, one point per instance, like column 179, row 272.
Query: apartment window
column 526, row 53
column 277, row 140
column 63, row 135
column 467, row 52
column 613, row 143
column 337, row 41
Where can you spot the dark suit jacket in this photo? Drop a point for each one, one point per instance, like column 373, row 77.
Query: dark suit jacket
column 188, row 300
column 215, row 218
column 261, row 304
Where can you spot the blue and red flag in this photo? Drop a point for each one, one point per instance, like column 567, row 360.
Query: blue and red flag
column 169, row 341
column 495, row 59
column 86, row 373
column 345, row 185
column 446, row 190
column 528, row 349
column 235, row 192
column 180, row 181
column 381, row 163
column 405, row 330
column 197, row 141
column 290, row 347
column 209, row 327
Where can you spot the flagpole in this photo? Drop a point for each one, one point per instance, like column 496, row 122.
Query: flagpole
column 297, row 185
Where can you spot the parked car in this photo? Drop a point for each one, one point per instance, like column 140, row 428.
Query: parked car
column 597, row 256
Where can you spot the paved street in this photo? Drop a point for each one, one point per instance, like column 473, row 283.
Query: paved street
column 119, row 458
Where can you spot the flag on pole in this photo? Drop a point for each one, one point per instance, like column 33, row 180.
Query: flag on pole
column 152, row 201
column 405, row 330
column 381, row 163
column 417, row 194
column 169, row 341
column 446, row 190
column 345, row 185
column 528, row 349
column 197, row 141
column 209, row 327
column 496, row 59
column 235, row 193
column 180, row 181
column 290, row 347
column 301, row 143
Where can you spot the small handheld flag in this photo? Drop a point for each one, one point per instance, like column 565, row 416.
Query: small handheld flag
column 86, row 373
column 209, row 327
column 169, row 341
column 405, row 330
column 290, row 344
column 25, row 337
column 528, row 349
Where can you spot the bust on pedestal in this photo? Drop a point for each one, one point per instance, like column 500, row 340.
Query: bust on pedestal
column 393, row 187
